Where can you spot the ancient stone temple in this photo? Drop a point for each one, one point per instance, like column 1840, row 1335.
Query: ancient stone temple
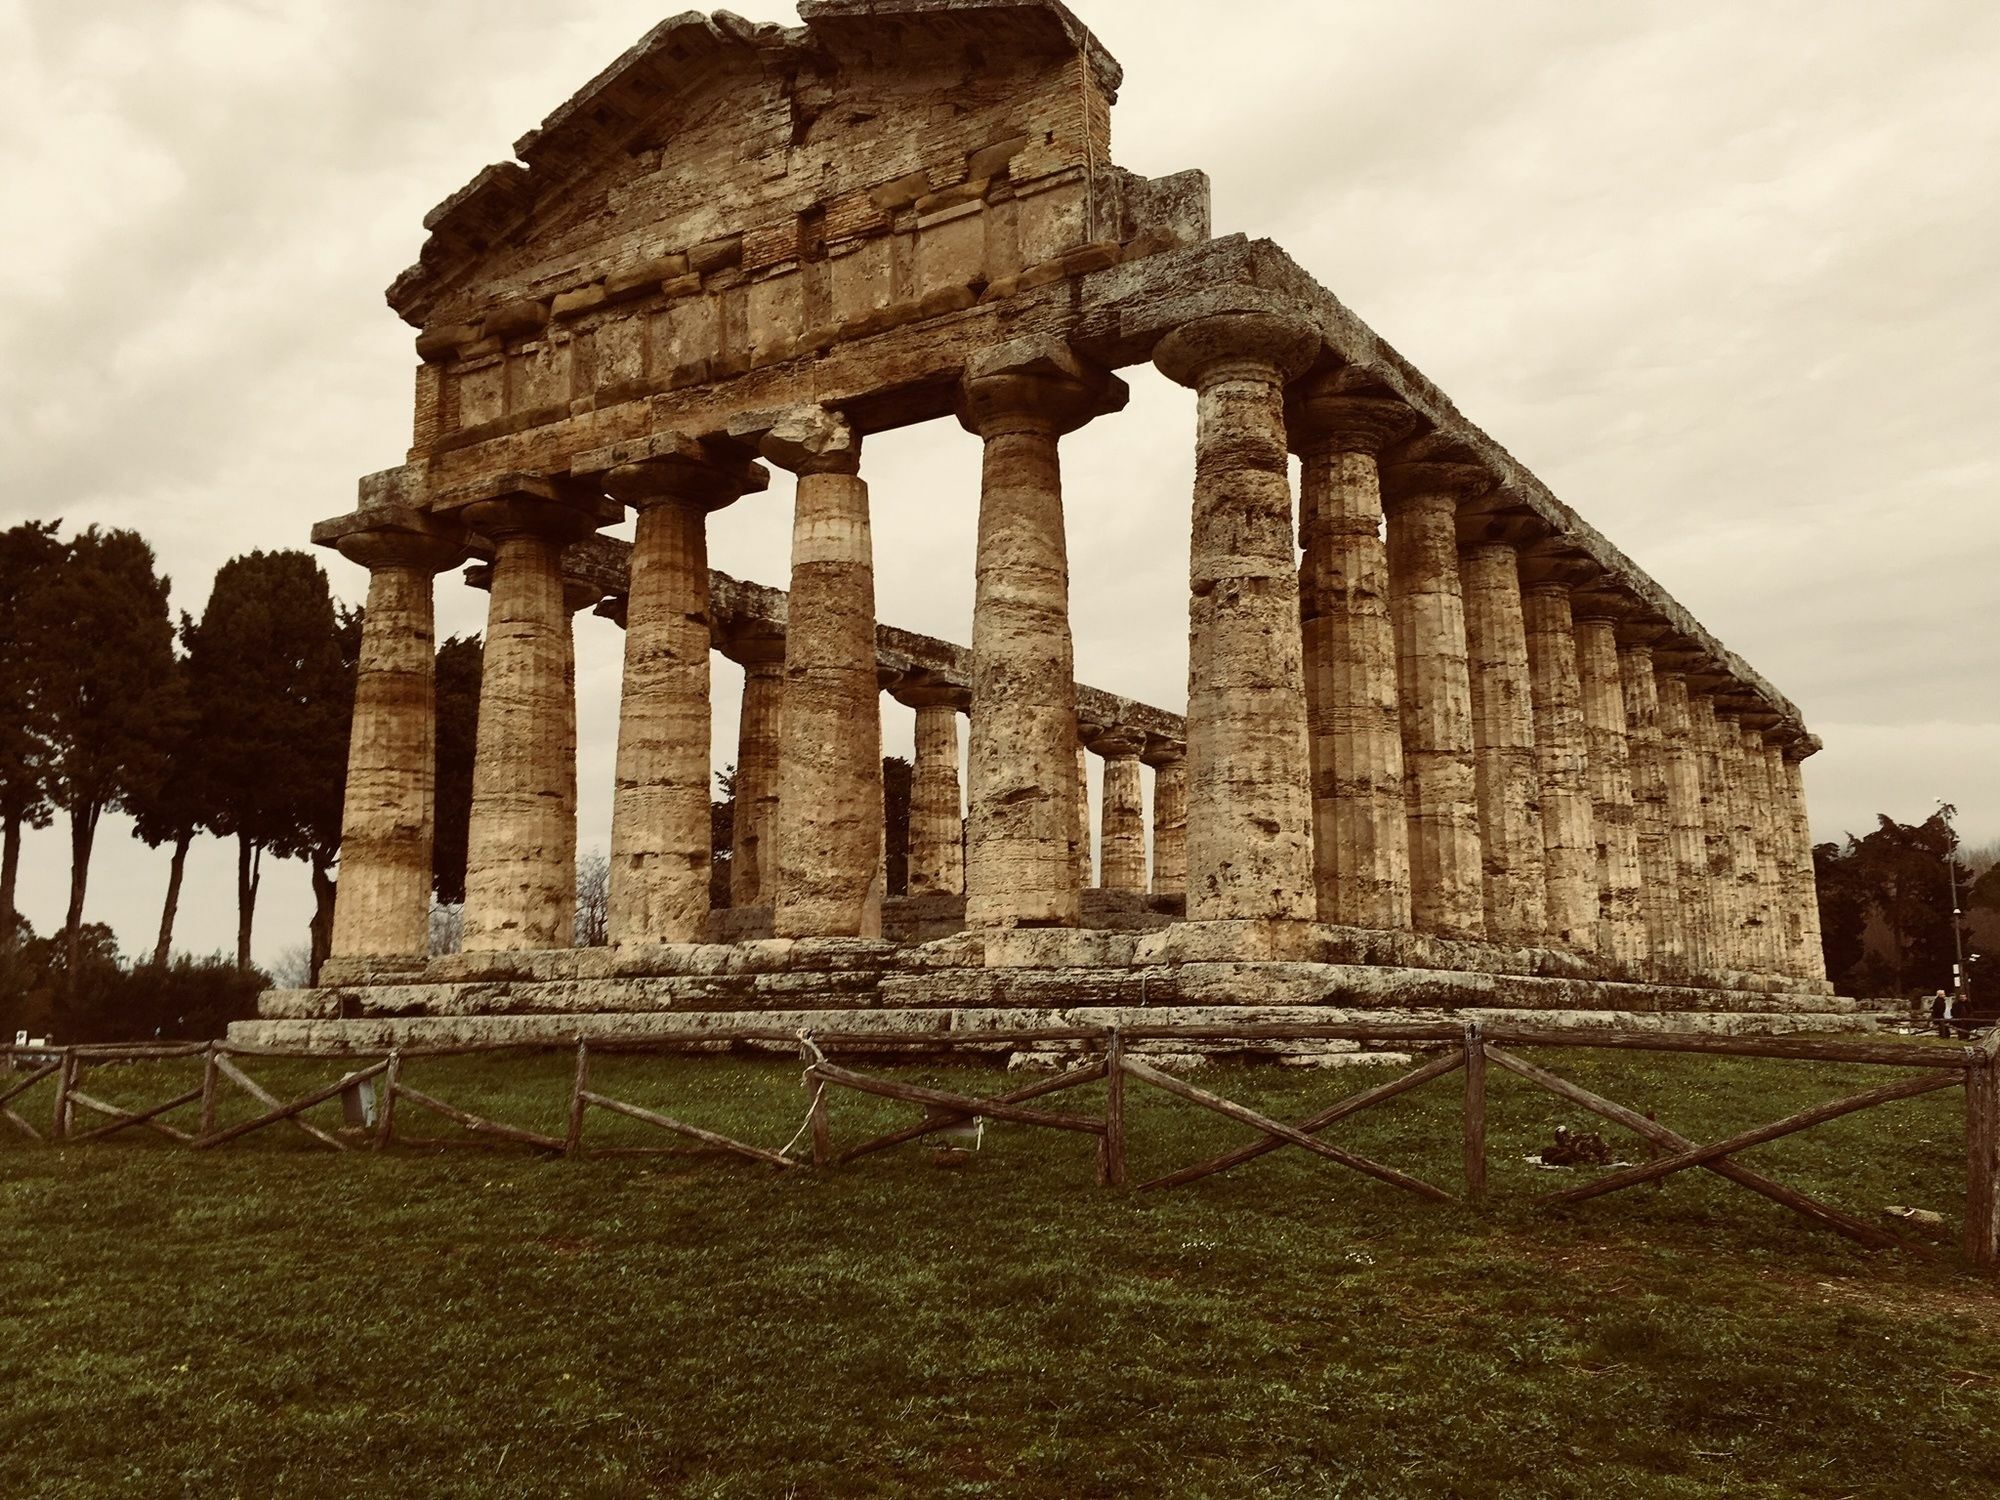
column 1444, row 745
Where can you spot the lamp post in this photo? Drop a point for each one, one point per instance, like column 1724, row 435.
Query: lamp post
column 1945, row 811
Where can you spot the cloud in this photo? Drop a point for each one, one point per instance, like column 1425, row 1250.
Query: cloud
column 1720, row 274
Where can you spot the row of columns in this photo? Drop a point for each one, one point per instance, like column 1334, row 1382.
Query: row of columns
column 1423, row 719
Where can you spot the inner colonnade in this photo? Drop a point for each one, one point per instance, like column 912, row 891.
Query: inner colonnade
column 1429, row 715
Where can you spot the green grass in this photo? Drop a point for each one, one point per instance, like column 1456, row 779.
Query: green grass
column 272, row 1319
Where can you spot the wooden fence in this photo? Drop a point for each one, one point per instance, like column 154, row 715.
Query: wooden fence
column 1471, row 1049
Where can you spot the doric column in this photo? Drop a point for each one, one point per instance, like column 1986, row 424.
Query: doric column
column 1503, row 734
column 520, row 879
column 1080, row 821
column 1725, row 927
column 1682, row 762
column 1659, row 884
column 1562, row 763
column 382, row 902
column 1787, row 926
column 1249, row 769
column 753, row 830
column 829, row 856
column 1169, row 820
column 1020, row 399
column 661, row 843
column 578, row 595
column 1621, row 930
column 1742, row 826
column 1122, row 821
column 1361, row 836
column 1803, row 881
column 937, row 827
column 1440, row 781
column 1764, row 837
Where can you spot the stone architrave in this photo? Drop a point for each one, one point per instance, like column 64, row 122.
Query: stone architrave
column 1121, row 838
column 1440, row 776
column 382, row 903
column 1249, row 768
column 1503, row 722
column 1803, row 881
column 661, row 840
column 1169, row 821
column 1361, row 836
column 753, row 831
column 1764, row 839
column 1562, row 763
column 1080, row 820
column 520, row 878
column 1020, row 398
column 829, row 856
column 1725, row 928
column 1682, row 760
column 1621, row 929
column 1659, row 882
column 937, row 824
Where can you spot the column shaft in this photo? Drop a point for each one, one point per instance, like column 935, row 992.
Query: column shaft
column 1659, row 884
column 1440, row 782
column 1725, row 926
column 661, row 838
column 1621, row 931
column 752, row 866
column 520, row 877
column 1122, row 836
column 382, row 903
column 1510, row 798
column 1742, row 827
column 1804, row 883
column 1764, row 837
column 937, row 829
column 1081, row 821
column 1562, row 759
column 1170, row 827
column 1682, row 760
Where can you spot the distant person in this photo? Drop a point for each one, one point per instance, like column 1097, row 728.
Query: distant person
column 1941, row 1013
column 1961, row 1013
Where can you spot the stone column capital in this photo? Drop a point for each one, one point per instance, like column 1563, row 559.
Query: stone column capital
column 527, row 505
column 1263, row 345
column 752, row 648
column 1162, row 753
column 394, row 535
column 802, row 439
column 673, row 468
column 1408, row 481
column 1035, row 385
column 1117, row 742
column 926, row 693
column 1321, row 418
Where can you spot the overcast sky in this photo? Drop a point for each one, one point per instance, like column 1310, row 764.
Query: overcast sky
column 1722, row 273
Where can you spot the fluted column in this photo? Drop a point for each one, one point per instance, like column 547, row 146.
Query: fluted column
column 1169, row 822
column 661, row 840
column 578, row 595
column 829, row 855
column 1787, row 925
column 1659, row 884
column 1725, row 927
column 1080, row 821
column 1682, row 762
column 1562, row 764
column 1503, row 734
column 1764, row 837
column 753, row 829
column 1361, row 836
column 1621, row 930
column 1440, row 780
column 520, row 879
column 382, row 901
column 1248, row 766
column 1742, row 826
column 1803, row 883
column 1121, row 839
column 937, row 827
column 1020, row 399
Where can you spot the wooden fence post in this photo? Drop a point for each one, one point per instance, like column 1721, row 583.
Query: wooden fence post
column 211, row 1087
column 822, row 1128
column 385, row 1123
column 573, row 1138
column 1111, row 1145
column 65, row 1081
column 1475, row 1114
column 1982, row 1155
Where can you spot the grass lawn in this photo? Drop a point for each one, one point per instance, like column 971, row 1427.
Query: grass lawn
column 271, row 1319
